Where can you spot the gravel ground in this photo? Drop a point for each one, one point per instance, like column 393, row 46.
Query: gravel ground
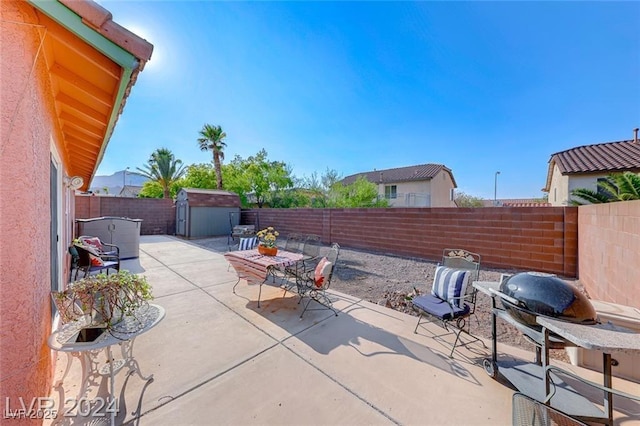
column 392, row 281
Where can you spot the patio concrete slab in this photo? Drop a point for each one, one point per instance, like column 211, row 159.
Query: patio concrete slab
column 276, row 387
column 356, row 350
column 218, row 358
column 207, row 272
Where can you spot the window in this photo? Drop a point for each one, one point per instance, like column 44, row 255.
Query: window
column 390, row 191
column 601, row 190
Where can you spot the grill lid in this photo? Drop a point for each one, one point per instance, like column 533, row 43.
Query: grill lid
column 545, row 294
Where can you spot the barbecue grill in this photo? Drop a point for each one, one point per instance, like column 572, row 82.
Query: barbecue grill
column 535, row 293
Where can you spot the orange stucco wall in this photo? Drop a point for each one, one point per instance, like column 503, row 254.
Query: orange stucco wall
column 609, row 251
column 27, row 132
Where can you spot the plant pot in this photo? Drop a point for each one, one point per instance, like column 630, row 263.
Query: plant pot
column 267, row 251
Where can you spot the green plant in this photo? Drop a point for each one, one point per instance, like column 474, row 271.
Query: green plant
column 268, row 237
column 103, row 299
column 615, row 187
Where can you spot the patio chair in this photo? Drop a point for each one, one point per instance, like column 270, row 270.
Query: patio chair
column 315, row 283
column 310, row 255
column 452, row 299
column 90, row 261
column 293, row 243
column 245, row 243
column 526, row 411
column 105, row 250
column 238, row 231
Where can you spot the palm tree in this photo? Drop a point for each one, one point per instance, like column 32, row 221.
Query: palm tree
column 163, row 168
column 211, row 139
column 616, row 187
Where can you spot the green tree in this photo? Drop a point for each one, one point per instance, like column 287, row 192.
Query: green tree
column 615, row 187
column 466, row 200
column 201, row 176
column 257, row 177
column 360, row 193
column 211, row 139
column 163, row 168
column 317, row 188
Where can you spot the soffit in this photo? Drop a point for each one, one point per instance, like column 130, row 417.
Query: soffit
column 85, row 85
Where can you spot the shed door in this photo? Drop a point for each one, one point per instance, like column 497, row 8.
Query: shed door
column 181, row 220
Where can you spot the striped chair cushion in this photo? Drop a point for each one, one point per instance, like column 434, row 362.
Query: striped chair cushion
column 450, row 284
column 247, row 243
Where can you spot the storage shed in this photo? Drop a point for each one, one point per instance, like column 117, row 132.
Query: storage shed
column 120, row 231
column 204, row 213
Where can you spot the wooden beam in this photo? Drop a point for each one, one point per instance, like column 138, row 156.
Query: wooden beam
column 71, row 120
column 82, row 110
column 64, row 37
column 87, row 87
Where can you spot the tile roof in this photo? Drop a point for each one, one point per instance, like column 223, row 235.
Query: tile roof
column 401, row 174
column 603, row 157
column 516, row 202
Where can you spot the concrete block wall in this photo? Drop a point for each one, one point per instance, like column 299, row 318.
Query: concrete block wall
column 609, row 247
column 158, row 215
column 521, row 238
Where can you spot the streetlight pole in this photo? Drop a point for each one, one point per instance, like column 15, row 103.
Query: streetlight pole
column 495, row 189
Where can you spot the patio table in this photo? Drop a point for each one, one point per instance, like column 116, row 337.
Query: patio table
column 122, row 334
column 256, row 268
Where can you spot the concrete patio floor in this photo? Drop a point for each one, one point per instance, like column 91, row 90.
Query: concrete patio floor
column 219, row 359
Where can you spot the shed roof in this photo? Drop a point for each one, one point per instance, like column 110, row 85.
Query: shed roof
column 210, row 197
column 402, row 174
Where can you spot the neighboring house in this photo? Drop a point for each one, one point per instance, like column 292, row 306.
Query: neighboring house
column 584, row 166
column 424, row 185
column 67, row 70
column 130, row 191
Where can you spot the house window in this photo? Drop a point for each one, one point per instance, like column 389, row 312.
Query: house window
column 601, row 190
column 390, row 191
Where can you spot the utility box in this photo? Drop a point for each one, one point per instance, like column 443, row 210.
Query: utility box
column 202, row 213
column 120, row 231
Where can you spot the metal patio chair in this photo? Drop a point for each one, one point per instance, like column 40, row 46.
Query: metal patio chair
column 315, row 283
column 90, row 261
column 526, row 411
column 452, row 298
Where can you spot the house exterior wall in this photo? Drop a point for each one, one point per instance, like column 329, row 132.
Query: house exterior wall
column 562, row 185
column 522, row 238
column 441, row 186
column 434, row 192
column 559, row 188
column 609, row 247
column 28, row 135
column 409, row 194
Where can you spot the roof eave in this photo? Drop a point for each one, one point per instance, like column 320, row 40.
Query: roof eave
column 92, row 23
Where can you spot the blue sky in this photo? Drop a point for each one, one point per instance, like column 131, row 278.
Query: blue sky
column 355, row 86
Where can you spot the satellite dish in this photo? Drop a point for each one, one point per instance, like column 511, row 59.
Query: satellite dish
column 75, row 182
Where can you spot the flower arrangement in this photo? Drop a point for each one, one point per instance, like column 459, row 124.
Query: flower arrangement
column 268, row 237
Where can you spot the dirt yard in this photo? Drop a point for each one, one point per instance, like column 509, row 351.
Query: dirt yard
column 392, row 281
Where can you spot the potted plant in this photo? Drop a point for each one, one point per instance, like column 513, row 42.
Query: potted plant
column 103, row 300
column 267, row 245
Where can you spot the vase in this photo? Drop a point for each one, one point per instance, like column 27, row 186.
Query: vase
column 267, row 251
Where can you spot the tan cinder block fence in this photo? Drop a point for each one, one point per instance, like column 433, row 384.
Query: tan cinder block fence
column 523, row 238
column 609, row 247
